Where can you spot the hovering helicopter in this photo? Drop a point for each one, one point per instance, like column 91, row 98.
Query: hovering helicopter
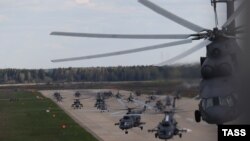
column 77, row 104
column 218, row 94
column 167, row 128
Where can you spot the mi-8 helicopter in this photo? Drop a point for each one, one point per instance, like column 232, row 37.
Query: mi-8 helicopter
column 130, row 121
column 132, row 118
column 167, row 128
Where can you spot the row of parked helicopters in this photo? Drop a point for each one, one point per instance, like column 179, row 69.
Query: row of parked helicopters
column 166, row 129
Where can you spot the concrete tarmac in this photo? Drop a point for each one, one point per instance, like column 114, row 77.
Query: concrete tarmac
column 101, row 125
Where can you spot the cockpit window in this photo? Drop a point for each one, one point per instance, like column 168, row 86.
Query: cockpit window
column 126, row 117
column 217, row 101
column 165, row 124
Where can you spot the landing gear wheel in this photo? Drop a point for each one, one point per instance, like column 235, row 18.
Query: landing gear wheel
column 156, row 135
column 180, row 135
column 197, row 115
column 126, row 132
column 141, row 127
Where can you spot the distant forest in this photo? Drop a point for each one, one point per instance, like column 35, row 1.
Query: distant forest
column 97, row 74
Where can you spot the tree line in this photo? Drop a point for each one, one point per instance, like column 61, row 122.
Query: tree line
column 96, row 74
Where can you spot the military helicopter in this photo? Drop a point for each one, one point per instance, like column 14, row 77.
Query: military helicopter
column 219, row 68
column 167, row 128
column 118, row 95
column 77, row 94
column 77, row 104
column 99, row 99
column 58, row 97
column 159, row 106
column 130, row 98
column 100, row 103
column 131, row 119
column 151, row 98
column 102, row 106
column 168, row 101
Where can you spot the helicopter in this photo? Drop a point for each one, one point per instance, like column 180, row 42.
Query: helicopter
column 151, row 98
column 218, row 94
column 102, row 106
column 100, row 101
column 131, row 119
column 130, row 98
column 167, row 128
column 118, row 95
column 160, row 106
column 58, row 96
column 77, row 104
column 168, row 101
column 77, row 94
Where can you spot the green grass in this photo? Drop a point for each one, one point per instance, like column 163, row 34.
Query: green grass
column 27, row 120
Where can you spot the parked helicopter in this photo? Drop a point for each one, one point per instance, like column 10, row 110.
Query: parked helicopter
column 131, row 119
column 77, row 94
column 167, row 128
column 130, row 98
column 77, row 104
column 58, row 97
column 100, row 101
column 102, row 106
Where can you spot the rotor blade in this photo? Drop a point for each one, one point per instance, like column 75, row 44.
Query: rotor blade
column 235, row 14
column 143, row 104
column 122, row 36
column 153, row 47
column 171, row 16
column 122, row 103
column 118, row 112
column 186, row 53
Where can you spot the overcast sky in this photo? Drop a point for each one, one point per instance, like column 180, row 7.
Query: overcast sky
column 26, row 24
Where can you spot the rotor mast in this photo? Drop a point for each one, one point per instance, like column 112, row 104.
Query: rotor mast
column 230, row 11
